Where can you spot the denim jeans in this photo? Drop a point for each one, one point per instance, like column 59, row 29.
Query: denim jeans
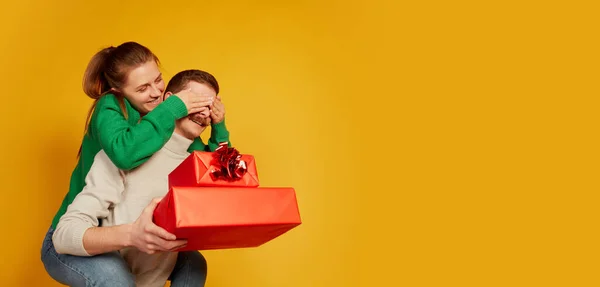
column 110, row 269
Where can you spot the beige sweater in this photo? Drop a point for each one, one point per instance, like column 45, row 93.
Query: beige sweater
column 119, row 197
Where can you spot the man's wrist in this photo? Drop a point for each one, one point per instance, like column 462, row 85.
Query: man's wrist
column 125, row 232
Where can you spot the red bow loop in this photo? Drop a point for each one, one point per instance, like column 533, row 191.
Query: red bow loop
column 228, row 162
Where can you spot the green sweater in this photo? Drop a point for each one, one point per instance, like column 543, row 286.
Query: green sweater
column 132, row 141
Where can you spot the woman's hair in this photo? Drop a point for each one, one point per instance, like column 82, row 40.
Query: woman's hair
column 107, row 72
column 180, row 81
column 108, row 69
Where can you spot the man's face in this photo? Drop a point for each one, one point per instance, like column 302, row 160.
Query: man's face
column 193, row 125
column 190, row 128
column 200, row 119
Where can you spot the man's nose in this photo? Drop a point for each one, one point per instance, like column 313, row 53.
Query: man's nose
column 205, row 113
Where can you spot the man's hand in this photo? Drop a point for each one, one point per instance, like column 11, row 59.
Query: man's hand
column 149, row 237
column 217, row 111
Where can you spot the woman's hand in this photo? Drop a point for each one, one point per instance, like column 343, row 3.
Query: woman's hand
column 194, row 101
column 217, row 111
column 149, row 237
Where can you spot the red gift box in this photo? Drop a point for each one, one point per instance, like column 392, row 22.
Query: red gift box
column 227, row 217
column 197, row 168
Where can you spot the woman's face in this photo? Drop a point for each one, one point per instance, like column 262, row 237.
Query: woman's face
column 144, row 87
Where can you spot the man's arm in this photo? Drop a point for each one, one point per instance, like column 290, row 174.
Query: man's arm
column 99, row 240
column 77, row 232
column 142, row 234
column 104, row 186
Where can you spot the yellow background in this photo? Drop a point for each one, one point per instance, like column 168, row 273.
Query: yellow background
column 431, row 143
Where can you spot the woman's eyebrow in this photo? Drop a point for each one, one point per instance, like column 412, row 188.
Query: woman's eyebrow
column 146, row 84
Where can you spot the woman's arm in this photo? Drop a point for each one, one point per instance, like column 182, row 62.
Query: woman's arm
column 218, row 131
column 218, row 134
column 127, row 144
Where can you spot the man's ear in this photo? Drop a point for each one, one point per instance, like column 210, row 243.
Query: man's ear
column 167, row 94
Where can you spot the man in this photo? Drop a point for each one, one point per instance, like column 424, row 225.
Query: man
column 124, row 201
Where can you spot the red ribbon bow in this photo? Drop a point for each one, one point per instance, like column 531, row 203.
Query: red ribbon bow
column 228, row 162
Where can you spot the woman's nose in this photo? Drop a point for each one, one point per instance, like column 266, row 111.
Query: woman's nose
column 156, row 91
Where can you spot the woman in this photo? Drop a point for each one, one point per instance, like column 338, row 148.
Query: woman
column 117, row 75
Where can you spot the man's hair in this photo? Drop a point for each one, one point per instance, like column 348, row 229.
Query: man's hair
column 180, row 81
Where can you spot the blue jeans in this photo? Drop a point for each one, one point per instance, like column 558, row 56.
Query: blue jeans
column 110, row 269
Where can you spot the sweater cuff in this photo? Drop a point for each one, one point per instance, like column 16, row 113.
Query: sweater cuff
column 219, row 132
column 197, row 145
column 176, row 106
column 77, row 242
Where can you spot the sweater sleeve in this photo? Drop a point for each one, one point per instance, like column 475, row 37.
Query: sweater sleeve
column 218, row 134
column 197, row 145
column 104, row 186
column 127, row 145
